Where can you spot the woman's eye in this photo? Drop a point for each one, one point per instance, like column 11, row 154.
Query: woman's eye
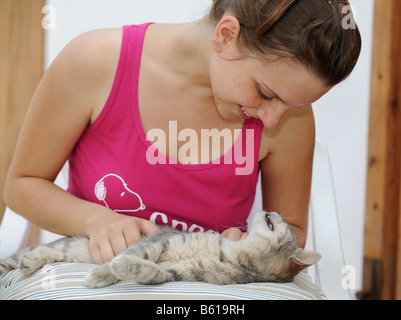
column 262, row 95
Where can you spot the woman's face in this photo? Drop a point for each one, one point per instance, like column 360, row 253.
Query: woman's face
column 247, row 87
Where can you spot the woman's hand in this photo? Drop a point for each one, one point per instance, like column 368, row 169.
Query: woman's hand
column 114, row 234
column 234, row 234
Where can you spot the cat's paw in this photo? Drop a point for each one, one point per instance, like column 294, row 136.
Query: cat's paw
column 6, row 267
column 143, row 271
column 100, row 277
column 126, row 267
column 36, row 259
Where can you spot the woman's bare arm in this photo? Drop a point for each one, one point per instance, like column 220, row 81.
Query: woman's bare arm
column 69, row 98
column 287, row 169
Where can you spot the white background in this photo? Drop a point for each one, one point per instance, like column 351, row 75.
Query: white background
column 342, row 116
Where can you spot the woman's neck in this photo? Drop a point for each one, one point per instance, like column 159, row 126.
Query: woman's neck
column 187, row 49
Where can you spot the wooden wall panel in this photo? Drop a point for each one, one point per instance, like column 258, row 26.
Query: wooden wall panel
column 383, row 210
column 398, row 262
column 21, row 68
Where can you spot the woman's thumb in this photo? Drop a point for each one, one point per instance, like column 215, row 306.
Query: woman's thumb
column 147, row 228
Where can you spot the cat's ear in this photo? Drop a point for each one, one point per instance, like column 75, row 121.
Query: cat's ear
column 303, row 259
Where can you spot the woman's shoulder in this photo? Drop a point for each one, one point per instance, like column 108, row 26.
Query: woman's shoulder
column 94, row 51
column 87, row 66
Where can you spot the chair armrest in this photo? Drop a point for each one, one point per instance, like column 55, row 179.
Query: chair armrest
column 326, row 228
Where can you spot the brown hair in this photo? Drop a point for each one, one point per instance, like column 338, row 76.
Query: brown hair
column 310, row 31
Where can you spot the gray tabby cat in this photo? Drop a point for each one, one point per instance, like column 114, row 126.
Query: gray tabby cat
column 269, row 253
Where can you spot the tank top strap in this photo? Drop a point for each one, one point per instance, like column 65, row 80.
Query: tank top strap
column 133, row 39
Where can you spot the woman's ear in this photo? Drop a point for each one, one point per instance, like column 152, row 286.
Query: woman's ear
column 226, row 33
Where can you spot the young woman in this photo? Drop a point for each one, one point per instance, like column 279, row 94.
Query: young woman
column 249, row 71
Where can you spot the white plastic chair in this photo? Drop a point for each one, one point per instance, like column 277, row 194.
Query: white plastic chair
column 324, row 230
column 326, row 235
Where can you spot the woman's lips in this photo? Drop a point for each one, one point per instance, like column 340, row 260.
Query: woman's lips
column 243, row 114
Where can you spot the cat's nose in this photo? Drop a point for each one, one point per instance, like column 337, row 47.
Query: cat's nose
column 275, row 216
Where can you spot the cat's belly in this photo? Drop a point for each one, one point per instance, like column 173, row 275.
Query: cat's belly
column 193, row 247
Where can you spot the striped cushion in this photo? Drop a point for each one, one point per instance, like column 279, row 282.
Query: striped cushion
column 64, row 281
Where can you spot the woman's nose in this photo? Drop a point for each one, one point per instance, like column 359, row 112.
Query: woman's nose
column 272, row 115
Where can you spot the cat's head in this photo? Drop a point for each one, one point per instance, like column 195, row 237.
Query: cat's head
column 277, row 239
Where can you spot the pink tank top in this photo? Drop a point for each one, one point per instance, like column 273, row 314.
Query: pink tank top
column 115, row 165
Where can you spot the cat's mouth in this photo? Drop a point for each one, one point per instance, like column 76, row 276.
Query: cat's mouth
column 269, row 222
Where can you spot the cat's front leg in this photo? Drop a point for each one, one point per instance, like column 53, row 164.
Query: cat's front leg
column 37, row 258
column 126, row 267
column 99, row 277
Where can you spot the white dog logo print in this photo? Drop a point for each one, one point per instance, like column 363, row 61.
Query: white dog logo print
column 113, row 188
